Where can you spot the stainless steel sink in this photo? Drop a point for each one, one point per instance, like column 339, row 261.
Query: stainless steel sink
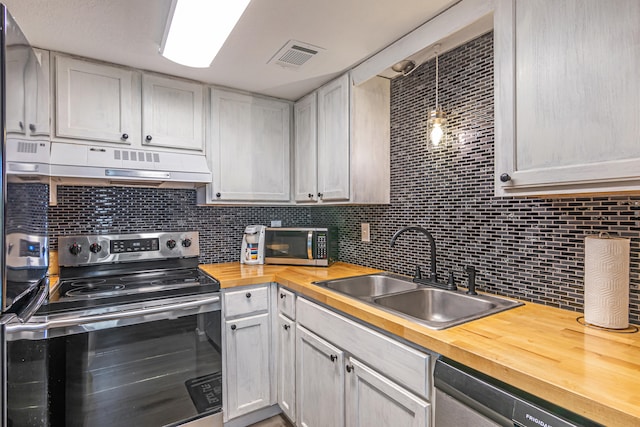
column 432, row 307
column 369, row 286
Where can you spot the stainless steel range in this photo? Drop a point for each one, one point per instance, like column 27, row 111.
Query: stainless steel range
column 131, row 333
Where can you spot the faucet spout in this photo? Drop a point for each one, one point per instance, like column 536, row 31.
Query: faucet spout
column 432, row 245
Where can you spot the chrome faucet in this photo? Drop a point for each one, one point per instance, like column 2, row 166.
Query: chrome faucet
column 432, row 248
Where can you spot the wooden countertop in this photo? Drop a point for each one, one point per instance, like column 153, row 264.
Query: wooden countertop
column 539, row 349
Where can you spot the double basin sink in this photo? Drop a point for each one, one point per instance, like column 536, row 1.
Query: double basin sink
column 432, row 307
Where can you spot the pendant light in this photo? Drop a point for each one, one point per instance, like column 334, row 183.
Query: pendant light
column 437, row 119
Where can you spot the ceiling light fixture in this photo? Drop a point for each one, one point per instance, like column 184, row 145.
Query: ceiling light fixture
column 197, row 29
column 405, row 67
column 437, row 119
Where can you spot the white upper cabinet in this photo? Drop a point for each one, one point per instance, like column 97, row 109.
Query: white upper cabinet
column 567, row 84
column 172, row 112
column 105, row 103
column 27, row 91
column 249, row 150
column 96, row 102
column 305, row 148
column 333, row 140
column 342, row 151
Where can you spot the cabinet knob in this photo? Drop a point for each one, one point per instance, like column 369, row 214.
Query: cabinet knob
column 349, row 368
column 286, row 327
column 505, row 177
column 148, row 138
column 248, row 295
column 125, row 136
column 333, row 357
column 320, row 195
column 218, row 195
column 283, row 295
column 310, row 196
column 21, row 125
column 233, row 327
column 32, row 127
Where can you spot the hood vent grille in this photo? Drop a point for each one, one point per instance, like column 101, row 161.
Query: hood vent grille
column 294, row 54
column 27, row 147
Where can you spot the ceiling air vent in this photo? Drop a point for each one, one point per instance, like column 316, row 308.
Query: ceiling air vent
column 294, row 54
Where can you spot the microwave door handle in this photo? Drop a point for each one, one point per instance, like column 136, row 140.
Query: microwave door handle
column 310, row 245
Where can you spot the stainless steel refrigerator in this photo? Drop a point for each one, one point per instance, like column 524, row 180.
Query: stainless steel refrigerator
column 24, row 190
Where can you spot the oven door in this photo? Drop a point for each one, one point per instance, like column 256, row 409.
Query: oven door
column 135, row 365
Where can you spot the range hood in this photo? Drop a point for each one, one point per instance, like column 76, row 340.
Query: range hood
column 27, row 160
column 126, row 166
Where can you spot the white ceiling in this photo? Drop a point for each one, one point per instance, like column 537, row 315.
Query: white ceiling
column 129, row 32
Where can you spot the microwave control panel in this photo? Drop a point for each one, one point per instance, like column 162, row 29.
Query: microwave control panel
column 321, row 246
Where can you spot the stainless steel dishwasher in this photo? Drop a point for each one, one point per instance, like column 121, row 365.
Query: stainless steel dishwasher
column 465, row 397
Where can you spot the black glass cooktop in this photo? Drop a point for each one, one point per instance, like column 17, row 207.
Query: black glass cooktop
column 84, row 292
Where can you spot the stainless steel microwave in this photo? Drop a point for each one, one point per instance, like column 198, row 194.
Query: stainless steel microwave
column 316, row 246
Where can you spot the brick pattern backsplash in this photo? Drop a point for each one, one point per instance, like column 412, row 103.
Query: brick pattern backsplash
column 532, row 249
column 112, row 210
column 26, row 208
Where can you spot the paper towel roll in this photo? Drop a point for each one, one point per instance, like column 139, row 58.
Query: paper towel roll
column 606, row 281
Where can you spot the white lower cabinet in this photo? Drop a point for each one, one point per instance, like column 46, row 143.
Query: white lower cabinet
column 373, row 400
column 247, row 358
column 247, row 364
column 286, row 366
column 350, row 375
column 319, row 381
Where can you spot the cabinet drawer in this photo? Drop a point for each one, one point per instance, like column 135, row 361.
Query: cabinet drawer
column 407, row 366
column 287, row 303
column 246, row 301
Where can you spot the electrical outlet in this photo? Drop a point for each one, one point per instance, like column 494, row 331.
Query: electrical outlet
column 365, row 232
column 276, row 223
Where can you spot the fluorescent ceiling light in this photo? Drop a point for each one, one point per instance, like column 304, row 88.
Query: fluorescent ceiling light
column 197, row 29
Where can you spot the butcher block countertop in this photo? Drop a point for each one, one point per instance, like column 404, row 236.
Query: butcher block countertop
column 539, row 349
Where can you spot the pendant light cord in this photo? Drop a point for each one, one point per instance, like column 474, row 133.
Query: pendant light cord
column 436, row 81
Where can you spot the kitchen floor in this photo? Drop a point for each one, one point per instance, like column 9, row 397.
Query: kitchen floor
column 277, row 421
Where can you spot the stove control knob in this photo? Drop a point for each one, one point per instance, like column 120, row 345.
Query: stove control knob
column 95, row 248
column 186, row 242
column 171, row 244
column 75, row 249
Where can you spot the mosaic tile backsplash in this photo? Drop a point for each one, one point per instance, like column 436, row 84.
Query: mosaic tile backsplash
column 532, row 249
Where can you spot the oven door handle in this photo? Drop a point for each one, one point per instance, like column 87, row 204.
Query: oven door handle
column 83, row 320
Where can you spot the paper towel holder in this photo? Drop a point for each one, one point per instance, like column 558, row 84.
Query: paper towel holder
column 631, row 329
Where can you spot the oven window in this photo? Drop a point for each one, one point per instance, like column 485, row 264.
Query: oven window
column 149, row 374
column 286, row 244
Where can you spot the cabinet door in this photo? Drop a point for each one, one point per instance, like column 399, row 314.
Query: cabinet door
column 319, row 381
column 16, row 58
column 567, row 91
column 37, row 103
column 172, row 113
column 375, row 400
column 333, row 140
column 247, row 364
column 250, row 145
column 287, row 366
column 96, row 102
column 305, row 148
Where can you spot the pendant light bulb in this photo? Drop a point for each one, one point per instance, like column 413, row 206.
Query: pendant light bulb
column 437, row 118
column 436, row 134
